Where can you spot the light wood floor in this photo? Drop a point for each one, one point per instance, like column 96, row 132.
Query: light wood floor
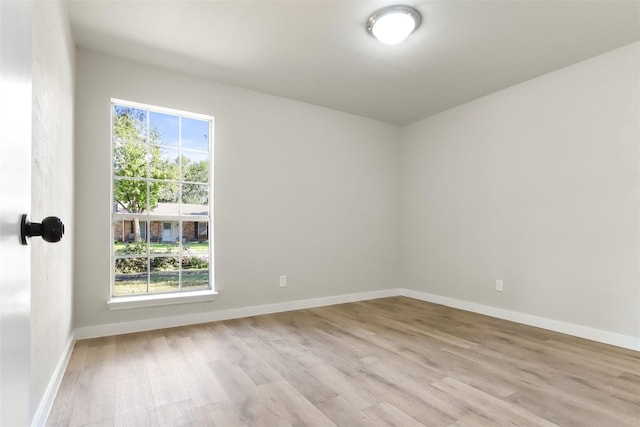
column 392, row 361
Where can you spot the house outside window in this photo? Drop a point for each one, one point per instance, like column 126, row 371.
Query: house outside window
column 203, row 230
column 161, row 215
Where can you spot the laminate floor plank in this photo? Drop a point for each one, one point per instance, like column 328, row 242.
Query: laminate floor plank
column 483, row 405
column 179, row 414
column 167, row 385
column 101, row 358
column 234, row 380
column 133, row 393
column 298, row 411
column 388, row 415
column 62, row 410
column 78, row 356
column 561, row 374
column 202, row 385
column 342, row 413
column 397, row 395
column 140, row 417
column 254, row 365
column 386, row 362
column 93, row 408
column 560, row 408
column 296, row 366
column 623, row 362
column 222, row 414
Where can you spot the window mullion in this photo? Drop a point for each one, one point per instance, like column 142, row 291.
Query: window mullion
column 180, row 178
column 148, row 165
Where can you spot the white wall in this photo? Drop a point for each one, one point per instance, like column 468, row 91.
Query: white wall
column 299, row 190
column 537, row 185
column 52, row 192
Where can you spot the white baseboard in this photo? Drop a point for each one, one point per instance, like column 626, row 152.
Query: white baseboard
column 44, row 407
column 234, row 313
column 613, row 338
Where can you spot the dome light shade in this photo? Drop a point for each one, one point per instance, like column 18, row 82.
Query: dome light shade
column 393, row 24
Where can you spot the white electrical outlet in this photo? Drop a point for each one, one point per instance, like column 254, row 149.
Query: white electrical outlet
column 499, row 285
column 283, row 281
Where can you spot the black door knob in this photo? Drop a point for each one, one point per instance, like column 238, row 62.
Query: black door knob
column 51, row 229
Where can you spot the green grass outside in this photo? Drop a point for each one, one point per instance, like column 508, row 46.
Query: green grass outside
column 134, row 284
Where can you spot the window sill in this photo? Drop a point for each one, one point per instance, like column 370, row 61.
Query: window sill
column 142, row 301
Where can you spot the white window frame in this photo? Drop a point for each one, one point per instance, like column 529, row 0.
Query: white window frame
column 118, row 302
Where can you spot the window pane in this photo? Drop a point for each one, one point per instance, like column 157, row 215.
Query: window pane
column 129, row 160
column 195, row 134
column 189, row 232
column 154, row 231
column 165, row 248
column 195, row 279
column 168, row 204
column 195, row 256
column 195, row 266
column 195, row 199
column 129, row 124
column 163, row 163
column 198, row 248
column 130, row 276
column 124, row 237
column 130, row 195
column 164, row 238
column 163, row 193
column 195, row 166
column 169, row 232
column 164, row 129
column 193, row 250
column 165, row 274
column 121, row 230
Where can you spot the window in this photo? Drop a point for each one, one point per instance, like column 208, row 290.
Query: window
column 161, row 214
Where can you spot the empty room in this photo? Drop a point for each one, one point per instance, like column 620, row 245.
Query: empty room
column 336, row 213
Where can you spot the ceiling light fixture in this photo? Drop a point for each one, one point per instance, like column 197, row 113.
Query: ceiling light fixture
column 393, row 24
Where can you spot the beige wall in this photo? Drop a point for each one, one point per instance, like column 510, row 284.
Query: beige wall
column 537, row 185
column 299, row 190
column 52, row 192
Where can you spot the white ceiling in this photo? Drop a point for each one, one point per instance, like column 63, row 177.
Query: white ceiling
column 319, row 51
